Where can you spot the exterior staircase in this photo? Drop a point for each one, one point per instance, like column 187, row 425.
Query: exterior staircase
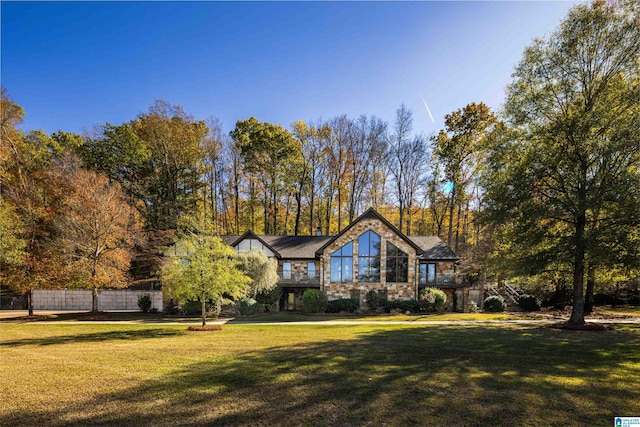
column 511, row 295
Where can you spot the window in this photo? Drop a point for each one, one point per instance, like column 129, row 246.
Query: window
column 342, row 264
column 311, row 270
column 369, row 257
column 397, row 264
column 431, row 273
column 427, row 273
column 286, row 270
column 423, row 274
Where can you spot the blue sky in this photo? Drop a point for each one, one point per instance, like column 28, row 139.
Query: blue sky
column 72, row 65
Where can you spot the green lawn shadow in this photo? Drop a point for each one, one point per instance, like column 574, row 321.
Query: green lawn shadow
column 401, row 376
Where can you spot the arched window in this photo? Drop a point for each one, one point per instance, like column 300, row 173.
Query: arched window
column 342, row 264
column 369, row 257
column 397, row 264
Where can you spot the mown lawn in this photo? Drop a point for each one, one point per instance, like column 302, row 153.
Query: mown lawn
column 79, row 374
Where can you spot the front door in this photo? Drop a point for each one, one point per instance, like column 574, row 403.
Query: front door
column 291, row 301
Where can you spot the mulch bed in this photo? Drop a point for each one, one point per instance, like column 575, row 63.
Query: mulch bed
column 205, row 328
column 589, row 327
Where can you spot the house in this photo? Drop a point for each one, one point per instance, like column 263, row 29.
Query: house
column 369, row 254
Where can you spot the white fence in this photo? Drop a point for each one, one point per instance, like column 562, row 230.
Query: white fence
column 63, row 299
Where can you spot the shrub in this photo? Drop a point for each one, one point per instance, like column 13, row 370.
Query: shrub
column 473, row 307
column 530, row 303
column 373, row 300
column 192, row 308
column 412, row 306
column 249, row 306
column 314, row 301
column 634, row 299
column 432, row 299
column 144, row 303
column 495, row 304
column 342, row 305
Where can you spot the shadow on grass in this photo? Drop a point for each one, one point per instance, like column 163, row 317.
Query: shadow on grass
column 408, row 376
column 133, row 334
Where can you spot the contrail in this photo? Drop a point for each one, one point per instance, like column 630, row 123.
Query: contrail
column 428, row 111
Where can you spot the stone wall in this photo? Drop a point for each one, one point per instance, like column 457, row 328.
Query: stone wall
column 62, row 299
column 395, row 291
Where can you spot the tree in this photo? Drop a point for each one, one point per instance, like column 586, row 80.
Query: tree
column 407, row 163
column 458, row 147
column 203, row 269
column 262, row 270
column 96, row 229
column 564, row 176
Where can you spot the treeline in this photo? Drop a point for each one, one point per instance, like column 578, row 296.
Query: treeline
column 265, row 178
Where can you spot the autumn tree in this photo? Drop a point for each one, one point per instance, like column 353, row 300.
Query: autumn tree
column 564, row 178
column 25, row 192
column 96, row 229
column 203, row 268
column 408, row 160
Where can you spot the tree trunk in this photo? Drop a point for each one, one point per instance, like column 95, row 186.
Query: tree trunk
column 577, row 313
column 591, row 281
column 458, row 227
column 451, row 206
column 204, row 310
column 94, row 300
column 30, row 302
column 296, row 227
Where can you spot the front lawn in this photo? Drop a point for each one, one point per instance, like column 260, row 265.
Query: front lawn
column 79, row 374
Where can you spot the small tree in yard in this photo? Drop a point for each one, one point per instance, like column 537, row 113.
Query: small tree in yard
column 204, row 270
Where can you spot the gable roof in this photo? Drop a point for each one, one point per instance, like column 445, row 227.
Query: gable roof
column 372, row 214
column 234, row 240
column 434, row 248
column 288, row 247
column 296, row 247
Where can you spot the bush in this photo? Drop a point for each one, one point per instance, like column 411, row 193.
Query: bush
column 373, row 300
column 192, row 308
column 495, row 304
column 473, row 307
column 342, row 305
column 249, row 306
column 314, row 301
column 144, row 303
column 530, row 303
column 412, row 306
column 634, row 299
column 432, row 299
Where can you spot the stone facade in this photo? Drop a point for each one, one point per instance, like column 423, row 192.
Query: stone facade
column 395, row 291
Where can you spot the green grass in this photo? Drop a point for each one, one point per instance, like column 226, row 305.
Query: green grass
column 627, row 310
column 299, row 317
column 85, row 374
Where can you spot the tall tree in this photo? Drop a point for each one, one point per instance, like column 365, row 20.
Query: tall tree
column 96, row 227
column 572, row 148
column 407, row 156
column 267, row 151
column 458, row 147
